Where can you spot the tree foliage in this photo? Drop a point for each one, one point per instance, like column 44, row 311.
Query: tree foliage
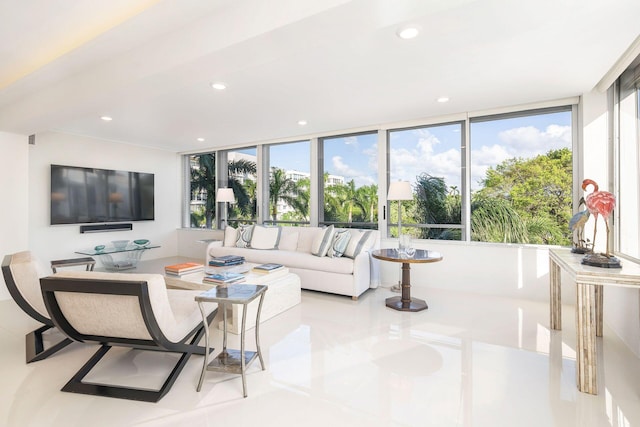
column 203, row 178
column 347, row 203
column 539, row 189
column 522, row 201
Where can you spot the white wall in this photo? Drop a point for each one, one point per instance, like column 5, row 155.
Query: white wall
column 515, row 271
column 61, row 241
column 14, row 189
column 192, row 241
column 621, row 306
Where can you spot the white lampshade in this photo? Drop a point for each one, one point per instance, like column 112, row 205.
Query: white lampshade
column 400, row 190
column 225, row 195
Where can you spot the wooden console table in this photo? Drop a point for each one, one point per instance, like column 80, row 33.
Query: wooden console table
column 589, row 289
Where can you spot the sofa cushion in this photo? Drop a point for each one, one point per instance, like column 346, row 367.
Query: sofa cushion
column 339, row 243
column 360, row 241
column 288, row 240
column 244, row 236
column 322, row 241
column 290, row 259
column 230, row 236
column 305, row 238
column 265, row 237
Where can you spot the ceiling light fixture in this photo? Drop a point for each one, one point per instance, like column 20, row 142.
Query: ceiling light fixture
column 200, row 139
column 106, row 118
column 443, row 99
column 408, row 32
column 219, row 86
column 302, row 122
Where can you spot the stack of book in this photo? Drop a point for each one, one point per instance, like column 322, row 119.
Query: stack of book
column 226, row 260
column 183, row 268
column 267, row 268
column 223, row 278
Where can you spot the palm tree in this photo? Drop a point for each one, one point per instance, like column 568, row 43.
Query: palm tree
column 494, row 219
column 251, row 188
column 433, row 205
column 332, row 200
column 301, row 203
column 282, row 188
column 367, row 200
column 346, row 193
column 238, row 171
column 203, row 177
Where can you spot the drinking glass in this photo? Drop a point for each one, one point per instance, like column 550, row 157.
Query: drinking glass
column 410, row 251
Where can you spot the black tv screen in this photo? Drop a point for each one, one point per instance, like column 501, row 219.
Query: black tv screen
column 88, row 195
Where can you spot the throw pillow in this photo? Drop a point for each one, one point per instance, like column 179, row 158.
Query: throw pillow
column 360, row 240
column 339, row 244
column 230, row 236
column 321, row 241
column 244, row 236
column 265, row 237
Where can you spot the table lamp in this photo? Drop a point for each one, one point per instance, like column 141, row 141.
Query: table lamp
column 400, row 190
column 225, row 195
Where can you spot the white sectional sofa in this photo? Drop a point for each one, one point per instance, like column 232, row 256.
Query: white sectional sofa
column 336, row 261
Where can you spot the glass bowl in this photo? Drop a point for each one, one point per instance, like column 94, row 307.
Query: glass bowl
column 141, row 242
column 119, row 244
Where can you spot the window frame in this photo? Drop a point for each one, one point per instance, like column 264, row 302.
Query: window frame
column 317, row 163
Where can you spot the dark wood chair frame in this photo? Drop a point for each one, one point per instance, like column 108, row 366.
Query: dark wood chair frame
column 34, row 344
column 158, row 341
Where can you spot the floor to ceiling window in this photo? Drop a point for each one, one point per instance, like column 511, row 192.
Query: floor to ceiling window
column 628, row 161
column 241, row 175
column 350, row 180
column 521, row 177
column 430, row 158
column 502, row 178
column 289, row 183
column 202, row 175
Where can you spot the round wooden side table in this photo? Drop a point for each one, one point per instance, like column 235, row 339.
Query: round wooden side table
column 405, row 302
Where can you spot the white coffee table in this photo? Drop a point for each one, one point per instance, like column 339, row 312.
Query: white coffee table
column 284, row 292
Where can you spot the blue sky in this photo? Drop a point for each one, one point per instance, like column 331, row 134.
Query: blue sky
column 434, row 150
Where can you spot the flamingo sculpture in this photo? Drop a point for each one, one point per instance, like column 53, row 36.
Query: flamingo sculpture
column 577, row 223
column 599, row 203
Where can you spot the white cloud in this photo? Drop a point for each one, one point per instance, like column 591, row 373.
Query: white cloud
column 341, row 168
column 529, row 141
column 349, row 173
column 351, row 140
column 408, row 163
column 521, row 142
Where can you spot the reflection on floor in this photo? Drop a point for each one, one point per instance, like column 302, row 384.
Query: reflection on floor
column 468, row 360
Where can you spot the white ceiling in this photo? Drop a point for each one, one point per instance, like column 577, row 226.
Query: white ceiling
column 336, row 63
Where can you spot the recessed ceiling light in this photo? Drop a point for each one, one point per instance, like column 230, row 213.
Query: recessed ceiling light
column 106, row 118
column 219, row 86
column 443, row 99
column 302, row 122
column 408, row 32
column 200, row 139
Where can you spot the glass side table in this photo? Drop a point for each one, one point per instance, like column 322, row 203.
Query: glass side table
column 232, row 361
column 124, row 258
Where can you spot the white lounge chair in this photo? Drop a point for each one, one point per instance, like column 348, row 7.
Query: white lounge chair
column 128, row 310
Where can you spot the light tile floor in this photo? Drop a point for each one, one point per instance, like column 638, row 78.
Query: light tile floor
column 468, row 360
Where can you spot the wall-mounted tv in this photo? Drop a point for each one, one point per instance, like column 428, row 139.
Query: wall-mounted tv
column 88, row 195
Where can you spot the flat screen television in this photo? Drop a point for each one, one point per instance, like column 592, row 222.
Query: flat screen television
column 88, row 195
